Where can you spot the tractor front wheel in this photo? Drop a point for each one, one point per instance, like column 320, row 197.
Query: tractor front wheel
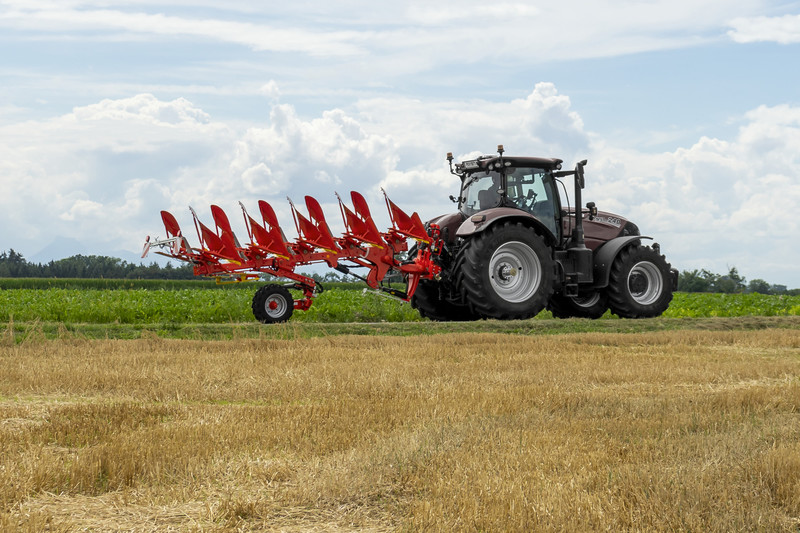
column 640, row 285
column 507, row 272
column 272, row 304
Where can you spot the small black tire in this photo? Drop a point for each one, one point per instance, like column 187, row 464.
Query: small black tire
column 273, row 304
column 428, row 302
column 508, row 272
column 640, row 283
column 592, row 305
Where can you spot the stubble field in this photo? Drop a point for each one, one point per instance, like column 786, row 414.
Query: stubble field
column 682, row 429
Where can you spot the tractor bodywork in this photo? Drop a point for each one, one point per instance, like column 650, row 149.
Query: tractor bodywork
column 515, row 247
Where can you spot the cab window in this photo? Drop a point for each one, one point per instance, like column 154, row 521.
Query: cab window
column 532, row 190
column 481, row 191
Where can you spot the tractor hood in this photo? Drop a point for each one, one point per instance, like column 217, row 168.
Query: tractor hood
column 601, row 228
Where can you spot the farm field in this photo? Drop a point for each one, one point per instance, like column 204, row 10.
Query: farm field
column 652, row 430
column 120, row 308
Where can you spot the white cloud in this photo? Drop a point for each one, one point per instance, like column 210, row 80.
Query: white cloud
column 718, row 203
column 783, row 30
column 114, row 164
column 89, row 174
column 404, row 33
column 542, row 123
column 57, row 20
column 144, row 107
column 83, row 209
column 271, row 90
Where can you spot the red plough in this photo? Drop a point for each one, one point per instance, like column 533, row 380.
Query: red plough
column 222, row 256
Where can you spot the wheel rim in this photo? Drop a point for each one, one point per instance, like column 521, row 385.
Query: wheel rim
column 275, row 306
column 515, row 272
column 586, row 301
column 645, row 283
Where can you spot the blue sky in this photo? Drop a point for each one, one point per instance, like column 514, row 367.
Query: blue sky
column 688, row 111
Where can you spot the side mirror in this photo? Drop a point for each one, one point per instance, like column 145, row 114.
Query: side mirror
column 579, row 173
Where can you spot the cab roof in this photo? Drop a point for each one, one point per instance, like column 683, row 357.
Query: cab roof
column 488, row 162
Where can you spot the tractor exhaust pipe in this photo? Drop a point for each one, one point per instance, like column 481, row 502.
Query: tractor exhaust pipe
column 578, row 240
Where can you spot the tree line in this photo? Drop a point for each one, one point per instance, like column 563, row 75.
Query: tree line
column 14, row 265
column 732, row 282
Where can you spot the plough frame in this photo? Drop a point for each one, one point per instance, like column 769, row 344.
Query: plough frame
column 268, row 251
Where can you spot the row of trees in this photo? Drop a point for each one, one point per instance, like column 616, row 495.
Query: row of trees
column 14, row 265
column 732, row 282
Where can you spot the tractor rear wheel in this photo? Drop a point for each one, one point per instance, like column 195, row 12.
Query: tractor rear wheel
column 589, row 305
column 640, row 284
column 507, row 272
column 272, row 304
column 427, row 300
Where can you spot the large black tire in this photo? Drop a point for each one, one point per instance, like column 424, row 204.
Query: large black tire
column 507, row 272
column 590, row 305
column 640, row 285
column 427, row 300
column 272, row 304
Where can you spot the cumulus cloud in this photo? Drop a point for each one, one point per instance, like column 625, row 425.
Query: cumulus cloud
column 89, row 174
column 143, row 108
column 718, row 203
column 541, row 123
column 271, row 90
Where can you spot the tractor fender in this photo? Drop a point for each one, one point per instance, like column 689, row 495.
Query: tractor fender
column 487, row 218
column 604, row 257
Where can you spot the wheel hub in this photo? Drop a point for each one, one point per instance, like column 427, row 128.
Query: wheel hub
column 515, row 272
column 645, row 283
column 507, row 272
column 275, row 306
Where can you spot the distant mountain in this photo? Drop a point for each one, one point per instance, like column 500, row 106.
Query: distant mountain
column 58, row 249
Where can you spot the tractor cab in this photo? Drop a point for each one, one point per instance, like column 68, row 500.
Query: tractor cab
column 525, row 183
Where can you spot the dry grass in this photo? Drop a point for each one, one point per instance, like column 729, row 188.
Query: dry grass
column 681, row 430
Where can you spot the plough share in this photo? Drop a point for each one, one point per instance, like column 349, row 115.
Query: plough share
column 222, row 256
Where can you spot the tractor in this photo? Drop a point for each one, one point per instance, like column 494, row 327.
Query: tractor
column 512, row 249
column 516, row 247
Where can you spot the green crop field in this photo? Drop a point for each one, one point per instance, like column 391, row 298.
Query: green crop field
column 144, row 306
column 180, row 302
column 201, row 309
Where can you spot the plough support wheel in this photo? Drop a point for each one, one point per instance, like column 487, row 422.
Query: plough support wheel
column 272, row 304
